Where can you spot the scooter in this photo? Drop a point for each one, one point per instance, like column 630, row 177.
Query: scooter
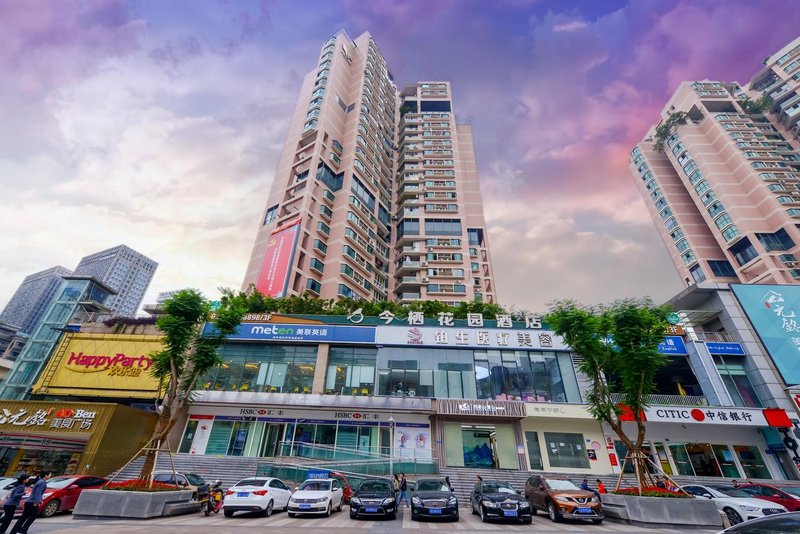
column 218, row 496
column 204, row 497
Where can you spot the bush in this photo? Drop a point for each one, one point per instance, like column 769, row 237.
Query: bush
column 138, row 485
column 653, row 491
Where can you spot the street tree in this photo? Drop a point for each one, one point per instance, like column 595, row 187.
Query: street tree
column 618, row 346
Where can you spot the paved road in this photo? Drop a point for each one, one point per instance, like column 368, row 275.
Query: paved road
column 280, row 523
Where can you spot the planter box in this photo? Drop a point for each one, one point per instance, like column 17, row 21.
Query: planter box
column 662, row 511
column 127, row 504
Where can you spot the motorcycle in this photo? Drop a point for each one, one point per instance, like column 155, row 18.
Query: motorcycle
column 217, row 496
column 204, row 497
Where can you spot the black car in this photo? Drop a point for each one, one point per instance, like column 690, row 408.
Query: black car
column 432, row 498
column 374, row 498
column 771, row 524
column 493, row 499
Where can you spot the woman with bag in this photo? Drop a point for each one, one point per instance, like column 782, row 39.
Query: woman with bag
column 12, row 502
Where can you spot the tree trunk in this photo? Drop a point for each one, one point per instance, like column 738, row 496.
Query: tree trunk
column 163, row 426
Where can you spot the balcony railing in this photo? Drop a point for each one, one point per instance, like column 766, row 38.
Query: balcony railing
column 713, row 336
column 669, row 400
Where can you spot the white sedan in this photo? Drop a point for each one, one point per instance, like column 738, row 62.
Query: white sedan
column 317, row 496
column 736, row 504
column 256, row 494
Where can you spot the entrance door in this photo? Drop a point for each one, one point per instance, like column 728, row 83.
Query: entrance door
column 703, row 460
column 477, row 445
column 272, row 437
column 662, row 458
column 725, row 461
column 682, row 461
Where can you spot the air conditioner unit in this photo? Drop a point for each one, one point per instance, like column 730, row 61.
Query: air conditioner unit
column 429, row 249
column 790, row 263
column 395, row 217
column 426, row 279
column 424, row 263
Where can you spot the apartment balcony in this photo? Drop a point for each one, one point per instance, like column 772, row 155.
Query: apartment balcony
column 409, row 282
column 668, row 400
column 408, row 191
column 406, row 298
column 408, row 267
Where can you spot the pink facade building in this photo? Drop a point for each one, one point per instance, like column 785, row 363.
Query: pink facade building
column 376, row 193
column 723, row 185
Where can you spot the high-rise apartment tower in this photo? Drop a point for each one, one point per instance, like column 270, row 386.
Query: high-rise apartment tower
column 376, row 193
column 123, row 269
column 720, row 174
column 32, row 298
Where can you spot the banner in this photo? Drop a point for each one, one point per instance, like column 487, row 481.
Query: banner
column 275, row 267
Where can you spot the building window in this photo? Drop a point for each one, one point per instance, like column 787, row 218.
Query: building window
column 730, row 232
column 317, row 266
column 313, row 285
column 528, row 376
column 743, row 252
column 319, row 245
column 272, row 214
column 408, row 227
column 351, row 371
column 475, row 236
column 329, row 178
column 697, row 274
column 363, row 193
column 738, row 384
column 261, row 367
column 443, row 227
column 566, row 450
column 780, row 240
column 722, row 268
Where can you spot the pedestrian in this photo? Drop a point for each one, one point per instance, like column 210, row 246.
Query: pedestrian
column 396, row 484
column 480, row 478
column 403, row 490
column 12, row 501
column 735, row 483
column 447, row 481
column 660, row 483
column 585, row 485
column 31, row 509
column 600, row 487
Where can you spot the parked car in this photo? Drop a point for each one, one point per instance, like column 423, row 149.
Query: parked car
column 787, row 497
column 562, row 499
column 62, row 493
column 772, row 524
column 735, row 503
column 6, row 485
column 317, row 496
column 374, row 498
column 494, row 499
column 432, row 498
column 256, row 494
column 186, row 480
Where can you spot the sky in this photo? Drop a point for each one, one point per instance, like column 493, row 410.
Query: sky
column 159, row 124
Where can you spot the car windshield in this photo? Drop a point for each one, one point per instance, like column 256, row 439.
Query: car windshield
column 794, row 492
column 315, row 485
column 730, row 491
column 496, row 487
column 561, row 485
column 251, row 482
column 432, row 485
column 194, row 480
column 60, row 482
column 374, row 485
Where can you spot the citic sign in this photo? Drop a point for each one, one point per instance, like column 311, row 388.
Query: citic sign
column 118, row 365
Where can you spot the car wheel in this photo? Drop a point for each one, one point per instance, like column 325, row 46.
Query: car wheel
column 51, row 508
column 555, row 517
column 329, row 510
column 482, row 513
column 353, row 515
column 527, row 521
column 455, row 518
column 733, row 516
column 228, row 513
column 393, row 515
column 292, row 514
column 268, row 509
column 597, row 521
column 474, row 511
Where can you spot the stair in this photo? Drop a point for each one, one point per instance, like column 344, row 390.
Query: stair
column 228, row 469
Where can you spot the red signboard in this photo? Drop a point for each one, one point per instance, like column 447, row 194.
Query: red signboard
column 777, row 418
column 274, row 273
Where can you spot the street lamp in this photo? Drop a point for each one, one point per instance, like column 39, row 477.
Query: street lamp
column 391, row 447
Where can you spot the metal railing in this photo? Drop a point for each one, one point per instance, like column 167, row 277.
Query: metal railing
column 669, row 400
column 713, row 336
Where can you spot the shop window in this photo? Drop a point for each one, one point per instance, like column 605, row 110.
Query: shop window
column 566, row 450
column 219, row 438
column 737, row 382
column 527, row 376
column 443, row 373
column 188, row 436
column 752, row 462
column 534, row 452
column 351, row 371
column 677, row 378
column 269, row 368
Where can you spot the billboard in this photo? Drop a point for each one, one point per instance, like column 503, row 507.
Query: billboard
column 774, row 312
column 299, row 332
column 104, row 365
column 274, row 273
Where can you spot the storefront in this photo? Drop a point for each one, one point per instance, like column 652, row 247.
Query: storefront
column 307, row 425
column 564, row 438
column 481, row 434
column 712, row 442
column 69, row 437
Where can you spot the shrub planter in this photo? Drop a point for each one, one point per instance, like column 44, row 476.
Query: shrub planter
column 661, row 511
column 129, row 504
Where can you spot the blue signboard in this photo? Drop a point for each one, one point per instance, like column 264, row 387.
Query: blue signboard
column 317, row 474
column 725, row 348
column 774, row 311
column 302, row 333
column 672, row 345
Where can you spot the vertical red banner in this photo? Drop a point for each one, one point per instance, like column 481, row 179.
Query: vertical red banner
column 274, row 273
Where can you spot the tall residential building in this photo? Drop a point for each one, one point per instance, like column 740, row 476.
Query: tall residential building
column 125, row 271
column 723, row 181
column 31, row 299
column 376, row 193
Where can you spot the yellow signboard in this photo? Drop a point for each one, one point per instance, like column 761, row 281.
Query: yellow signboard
column 106, row 365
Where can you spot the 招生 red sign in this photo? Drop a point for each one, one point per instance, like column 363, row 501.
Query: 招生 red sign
column 274, row 272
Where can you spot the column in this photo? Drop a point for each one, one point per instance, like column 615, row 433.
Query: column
column 321, row 367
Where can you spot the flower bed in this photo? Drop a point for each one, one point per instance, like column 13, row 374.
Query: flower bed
column 653, row 491
column 138, row 485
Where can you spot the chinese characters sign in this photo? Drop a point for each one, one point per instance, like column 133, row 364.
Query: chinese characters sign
column 490, row 338
column 774, row 311
column 47, row 418
column 706, row 415
column 274, row 273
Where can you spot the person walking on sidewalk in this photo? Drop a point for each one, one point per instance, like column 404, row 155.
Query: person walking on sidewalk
column 403, row 490
column 12, row 501
column 31, row 509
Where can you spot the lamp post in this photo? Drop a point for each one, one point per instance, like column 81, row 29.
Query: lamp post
column 391, row 447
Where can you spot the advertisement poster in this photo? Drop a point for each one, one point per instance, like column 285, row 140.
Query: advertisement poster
column 774, row 311
column 274, row 273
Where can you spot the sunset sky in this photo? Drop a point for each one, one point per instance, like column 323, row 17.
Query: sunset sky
column 158, row 124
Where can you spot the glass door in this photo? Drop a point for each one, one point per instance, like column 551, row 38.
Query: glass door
column 662, row 458
column 534, row 451
column 724, row 458
column 703, row 461
column 681, row 458
column 752, row 462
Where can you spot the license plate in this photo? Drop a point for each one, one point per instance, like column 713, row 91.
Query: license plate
column 371, row 510
column 584, row 510
column 240, row 494
column 434, row 511
column 305, row 506
column 510, row 513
